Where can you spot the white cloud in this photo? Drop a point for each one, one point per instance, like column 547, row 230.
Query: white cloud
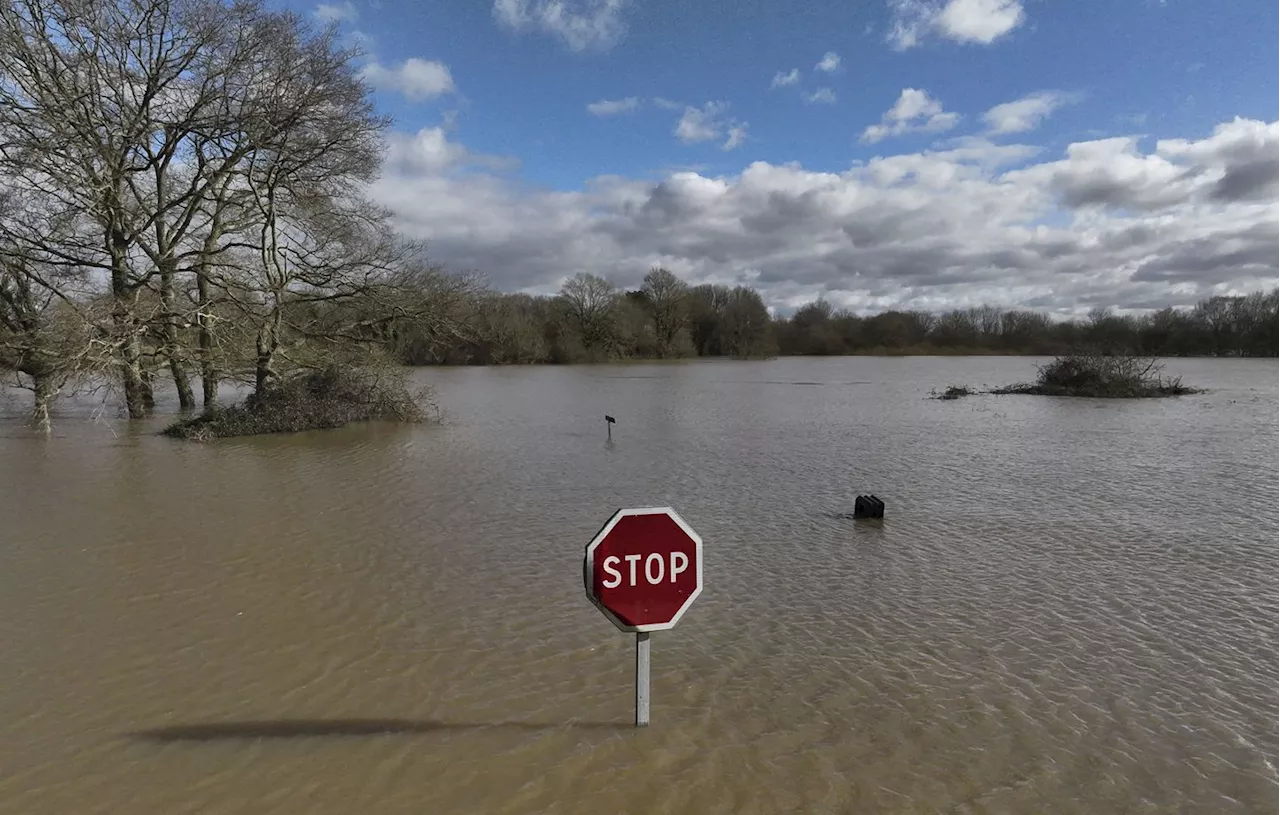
column 914, row 112
column 1103, row 223
column 910, row 21
column 824, row 96
column 1024, row 114
column 429, row 152
column 782, row 79
column 581, row 24
column 737, row 134
column 699, row 124
column 830, row 62
column 666, row 104
column 708, row 123
column 979, row 22
column 611, row 107
column 417, row 79
column 336, row 12
column 1242, row 158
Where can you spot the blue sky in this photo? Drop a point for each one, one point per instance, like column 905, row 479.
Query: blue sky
column 504, row 88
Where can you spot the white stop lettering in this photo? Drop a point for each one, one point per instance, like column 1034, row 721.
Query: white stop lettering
column 649, row 563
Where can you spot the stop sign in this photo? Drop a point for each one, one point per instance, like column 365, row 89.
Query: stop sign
column 643, row 569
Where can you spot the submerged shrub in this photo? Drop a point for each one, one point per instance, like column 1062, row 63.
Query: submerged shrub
column 953, row 392
column 1101, row 376
column 313, row 400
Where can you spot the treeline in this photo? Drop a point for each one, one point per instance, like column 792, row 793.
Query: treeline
column 1220, row 326
column 591, row 320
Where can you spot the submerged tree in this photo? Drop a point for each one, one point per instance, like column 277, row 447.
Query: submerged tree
column 53, row 332
column 47, row 342
column 205, row 160
column 90, row 98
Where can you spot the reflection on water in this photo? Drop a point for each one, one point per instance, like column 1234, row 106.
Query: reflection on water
column 1069, row 606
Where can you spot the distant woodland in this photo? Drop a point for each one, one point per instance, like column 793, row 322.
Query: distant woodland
column 591, row 320
column 181, row 197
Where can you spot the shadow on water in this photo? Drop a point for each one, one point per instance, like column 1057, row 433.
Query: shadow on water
column 312, row 728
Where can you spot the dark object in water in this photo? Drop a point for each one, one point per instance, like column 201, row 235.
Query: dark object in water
column 868, row 506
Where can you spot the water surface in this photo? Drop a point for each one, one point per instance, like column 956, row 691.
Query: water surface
column 1070, row 606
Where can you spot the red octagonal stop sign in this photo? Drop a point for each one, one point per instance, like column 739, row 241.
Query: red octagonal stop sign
column 643, row 569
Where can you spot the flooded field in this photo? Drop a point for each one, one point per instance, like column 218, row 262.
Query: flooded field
column 1070, row 606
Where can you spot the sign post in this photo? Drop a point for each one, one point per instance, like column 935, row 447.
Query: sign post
column 643, row 570
column 642, row 678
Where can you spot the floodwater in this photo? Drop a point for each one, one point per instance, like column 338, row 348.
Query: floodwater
column 1070, row 606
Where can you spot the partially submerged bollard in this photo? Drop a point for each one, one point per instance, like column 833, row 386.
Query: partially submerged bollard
column 868, row 506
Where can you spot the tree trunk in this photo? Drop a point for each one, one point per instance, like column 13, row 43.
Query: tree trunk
column 262, row 374
column 45, row 392
column 266, row 346
column 208, row 373
column 135, row 392
column 172, row 348
column 204, row 319
column 208, row 379
column 181, row 381
column 148, row 390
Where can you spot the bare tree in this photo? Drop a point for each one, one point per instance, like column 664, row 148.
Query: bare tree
column 46, row 341
column 746, row 326
column 666, row 295
column 510, row 329
column 192, row 138
column 591, row 302
column 83, row 88
column 706, row 305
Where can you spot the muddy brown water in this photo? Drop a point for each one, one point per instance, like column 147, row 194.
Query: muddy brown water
column 1070, row 607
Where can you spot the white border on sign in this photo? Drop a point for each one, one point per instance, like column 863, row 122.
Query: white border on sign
column 588, row 566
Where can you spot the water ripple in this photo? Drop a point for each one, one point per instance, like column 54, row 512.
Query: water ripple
column 1069, row 607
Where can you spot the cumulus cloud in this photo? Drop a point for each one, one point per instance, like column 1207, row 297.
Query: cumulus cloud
column 580, row 24
column 417, row 79
column 782, row 79
column 829, row 63
column 708, row 123
column 1024, row 114
column 612, row 107
column 980, row 22
column 1242, row 156
column 914, row 112
column 1104, row 222
column 336, row 12
column 1115, row 173
column 824, row 96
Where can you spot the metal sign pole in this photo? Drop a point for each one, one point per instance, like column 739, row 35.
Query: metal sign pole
column 642, row 678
